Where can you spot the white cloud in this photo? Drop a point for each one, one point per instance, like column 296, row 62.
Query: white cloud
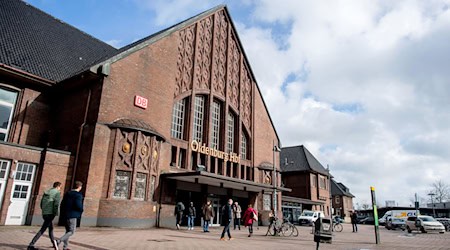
column 390, row 58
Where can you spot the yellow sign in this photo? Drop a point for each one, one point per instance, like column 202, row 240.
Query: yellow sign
column 203, row 149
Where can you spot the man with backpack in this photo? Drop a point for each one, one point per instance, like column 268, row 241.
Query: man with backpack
column 49, row 205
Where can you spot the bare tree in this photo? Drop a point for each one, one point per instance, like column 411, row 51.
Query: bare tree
column 441, row 191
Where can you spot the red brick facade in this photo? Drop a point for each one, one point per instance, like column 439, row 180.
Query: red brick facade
column 120, row 150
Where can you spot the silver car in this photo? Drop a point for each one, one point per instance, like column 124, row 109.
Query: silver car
column 424, row 224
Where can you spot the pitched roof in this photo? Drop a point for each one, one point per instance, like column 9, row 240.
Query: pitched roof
column 298, row 158
column 337, row 188
column 39, row 44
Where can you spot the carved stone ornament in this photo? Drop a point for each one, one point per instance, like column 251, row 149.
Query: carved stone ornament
column 126, row 147
column 267, row 177
column 144, row 150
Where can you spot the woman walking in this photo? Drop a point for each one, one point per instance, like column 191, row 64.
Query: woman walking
column 250, row 215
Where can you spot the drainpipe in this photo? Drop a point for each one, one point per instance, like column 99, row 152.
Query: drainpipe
column 88, row 102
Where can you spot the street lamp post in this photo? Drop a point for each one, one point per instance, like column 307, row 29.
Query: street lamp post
column 274, row 177
column 431, row 194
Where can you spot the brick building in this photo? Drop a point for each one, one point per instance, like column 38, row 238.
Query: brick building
column 176, row 116
column 342, row 200
column 308, row 179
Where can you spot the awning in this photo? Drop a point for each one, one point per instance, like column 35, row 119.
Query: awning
column 203, row 177
column 301, row 200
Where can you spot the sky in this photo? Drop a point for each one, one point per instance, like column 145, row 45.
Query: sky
column 363, row 84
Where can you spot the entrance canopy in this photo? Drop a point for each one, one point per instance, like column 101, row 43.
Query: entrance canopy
column 301, row 200
column 202, row 177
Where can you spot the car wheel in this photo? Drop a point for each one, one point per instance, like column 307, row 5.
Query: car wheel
column 441, row 232
column 408, row 229
column 422, row 230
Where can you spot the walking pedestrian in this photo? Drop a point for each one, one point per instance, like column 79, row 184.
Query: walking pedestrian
column 354, row 220
column 179, row 210
column 49, row 206
column 250, row 215
column 227, row 215
column 237, row 215
column 208, row 214
column 191, row 212
column 71, row 208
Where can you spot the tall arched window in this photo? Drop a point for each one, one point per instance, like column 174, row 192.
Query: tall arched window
column 230, row 132
column 199, row 114
column 7, row 102
column 244, row 146
column 215, row 128
column 178, row 116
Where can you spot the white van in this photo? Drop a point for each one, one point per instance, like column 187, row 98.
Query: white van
column 309, row 217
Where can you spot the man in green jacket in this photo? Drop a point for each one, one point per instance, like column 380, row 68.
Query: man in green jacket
column 49, row 205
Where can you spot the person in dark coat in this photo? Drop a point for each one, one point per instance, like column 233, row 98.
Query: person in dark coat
column 354, row 220
column 179, row 210
column 227, row 216
column 191, row 214
column 208, row 214
column 71, row 209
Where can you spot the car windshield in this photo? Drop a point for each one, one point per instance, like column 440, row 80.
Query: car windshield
column 427, row 218
column 308, row 213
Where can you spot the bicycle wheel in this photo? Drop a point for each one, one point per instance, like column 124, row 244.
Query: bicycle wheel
column 294, row 230
column 271, row 230
column 338, row 227
column 286, row 229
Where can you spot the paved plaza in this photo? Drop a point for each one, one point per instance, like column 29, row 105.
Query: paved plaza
column 113, row 238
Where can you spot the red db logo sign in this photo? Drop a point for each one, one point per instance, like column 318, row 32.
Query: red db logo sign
column 141, row 102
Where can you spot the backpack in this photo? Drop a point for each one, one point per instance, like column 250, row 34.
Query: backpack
column 180, row 207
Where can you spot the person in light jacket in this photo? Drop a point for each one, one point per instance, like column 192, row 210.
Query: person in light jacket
column 237, row 215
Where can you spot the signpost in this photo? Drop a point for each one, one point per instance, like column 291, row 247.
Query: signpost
column 375, row 215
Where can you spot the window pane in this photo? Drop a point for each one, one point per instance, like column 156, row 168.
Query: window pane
column 5, row 115
column 244, row 146
column 215, row 125
column 198, row 117
column 178, row 119
column 141, row 184
column 122, row 184
column 230, row 133
column 8, row 96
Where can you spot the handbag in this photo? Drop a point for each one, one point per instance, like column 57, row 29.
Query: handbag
column 255, row 217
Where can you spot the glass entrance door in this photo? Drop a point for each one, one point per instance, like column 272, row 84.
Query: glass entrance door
column 217, row 211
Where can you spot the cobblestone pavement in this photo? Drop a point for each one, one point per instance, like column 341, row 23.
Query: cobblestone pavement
column 15, row 237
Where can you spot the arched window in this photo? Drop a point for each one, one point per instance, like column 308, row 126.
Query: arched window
column 244, row 146
column 215, row 126
column 7, row 102
column 199, row 114
column 230, row 132
column 178, row 117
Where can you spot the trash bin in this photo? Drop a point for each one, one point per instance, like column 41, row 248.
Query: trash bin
column 322, row 231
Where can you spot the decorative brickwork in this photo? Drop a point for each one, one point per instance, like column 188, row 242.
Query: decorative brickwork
column 220, row 53
column 203, row 53
column 185, row 60
column 124, row 149
column 233, row 73
column 246, row 97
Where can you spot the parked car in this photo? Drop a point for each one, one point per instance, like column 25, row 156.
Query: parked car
column 424, row 224
column 445, row 222
column 359, row 218
column 394, row 223
column 368, row 220
column 309, row 217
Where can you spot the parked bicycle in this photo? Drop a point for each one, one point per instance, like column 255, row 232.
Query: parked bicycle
column 337, row 226
column 286, row 228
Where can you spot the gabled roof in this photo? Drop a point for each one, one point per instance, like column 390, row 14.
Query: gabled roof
column 337, row 188
column 39, row 44
column 298, row 158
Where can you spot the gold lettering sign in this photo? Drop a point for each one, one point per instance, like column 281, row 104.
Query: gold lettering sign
column 203, row 149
